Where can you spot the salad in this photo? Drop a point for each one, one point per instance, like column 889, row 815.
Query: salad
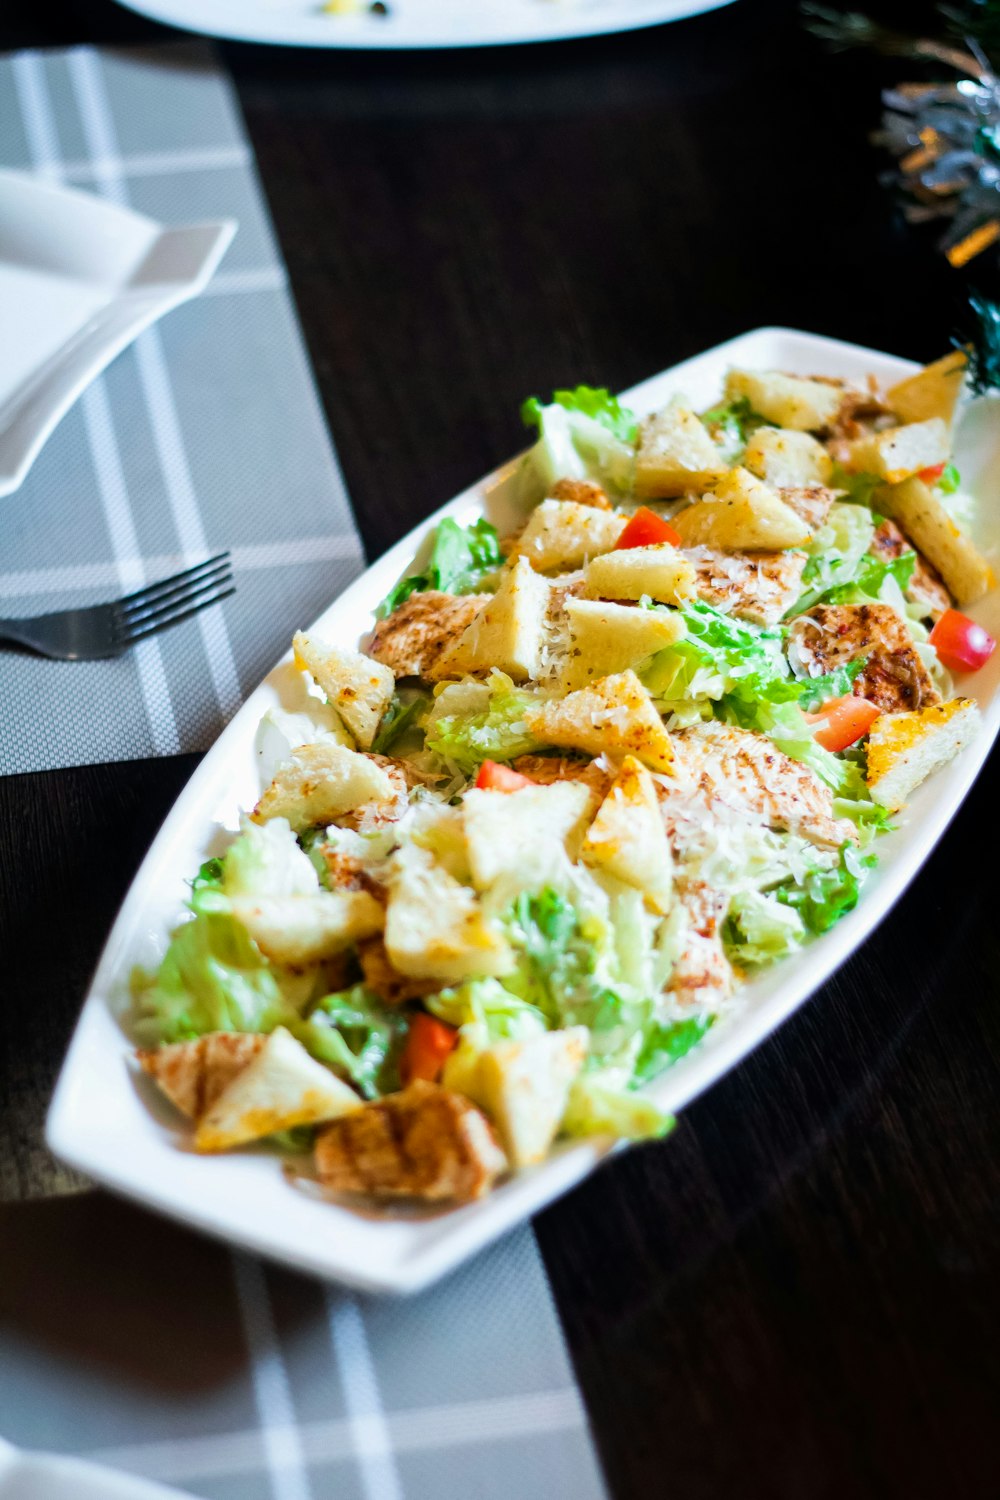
column 522, row 851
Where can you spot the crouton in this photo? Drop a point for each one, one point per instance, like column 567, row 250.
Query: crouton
column 505, row 832
column 787, row 458
column 675, row 455
column 359, row 688
column 426, row 1142
column 741, row 513
column 563, row 534
column 419, row 631
column 321, row 782
column 614, row 715
column 660, row 572
column 757, row 586
column 303, row 930
column 374, row 814
column 606, row 638
column 966, row 573
column 932, row 392
column 899, row 452
column 281, row 1087
column 893, row 677
column 627, row 838
column 803, row 405
column 193, row 1074
column 507, row 633
column 524, row 1086
column 904, row 749
column 435, row 927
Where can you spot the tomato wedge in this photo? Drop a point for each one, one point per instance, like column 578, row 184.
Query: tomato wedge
column 961, row 644
column 428, row 1045
column 846, row 720
column 931, row 475
column 493, row 777
column 646, row 529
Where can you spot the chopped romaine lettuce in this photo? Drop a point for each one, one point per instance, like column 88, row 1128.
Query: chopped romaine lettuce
column 596, row 1108
column 460, row 562
column 826, row 895
column 485, row 1003
column 859, row 488
column 835, row 684
column 593, row 401
column 731, row 425
column 496, row 732
column 836, row 550
column 950, row 481
column 358, row 1036
column 719, row 655
column 582, row 434
column 761, row 929
column 664, row 1042
column 400, row 717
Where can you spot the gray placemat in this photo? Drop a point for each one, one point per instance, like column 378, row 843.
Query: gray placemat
column 207, row 433
column 134, row 1343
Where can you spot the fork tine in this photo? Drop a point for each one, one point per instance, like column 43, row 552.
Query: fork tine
column 173, row 591
column 151, row 591
column 152, row 625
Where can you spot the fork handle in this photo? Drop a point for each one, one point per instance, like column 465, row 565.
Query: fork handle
column 15, row 633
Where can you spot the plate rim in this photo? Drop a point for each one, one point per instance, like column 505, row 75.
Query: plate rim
column 180, row 15
column 789, row 988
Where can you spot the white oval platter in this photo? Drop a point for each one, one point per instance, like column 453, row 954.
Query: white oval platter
column 413, row 24
column 106, row 1122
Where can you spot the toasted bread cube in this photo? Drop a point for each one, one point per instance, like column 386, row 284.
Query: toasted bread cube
column 321, row 782
column 933, row 392
column 302, row 930
column 675, row 455
column 427, row 1142
column 435, row 927
column 904, row 749
column 628, row 839
column 967, row 574
column 789, row 400
column 281, row 1088
column 899, row 452
column 787, row 458
column 607, row 638
column 741, row 514
column 193, row 1074
column 359, row 688
column 563, row 534
column 508, row 632
column 524, row 1087
column 503, row 829
column 614, row 716
column 659, row 571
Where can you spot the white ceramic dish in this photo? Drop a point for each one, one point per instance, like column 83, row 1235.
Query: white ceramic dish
column 106, row 1122
column 417, row 23
column 79, row 279
column 51, row 1476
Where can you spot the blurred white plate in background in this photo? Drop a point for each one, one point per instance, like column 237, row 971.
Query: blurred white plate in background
column 79, row 279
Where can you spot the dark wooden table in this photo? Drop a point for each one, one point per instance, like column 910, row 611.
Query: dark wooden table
column 796, row 1296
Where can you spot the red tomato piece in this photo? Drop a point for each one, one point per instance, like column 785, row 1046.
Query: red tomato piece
column 493, row 777
column 428, row 1045
column 646, row 529
column 961, row 644
column 931, row 475
column 846, row 720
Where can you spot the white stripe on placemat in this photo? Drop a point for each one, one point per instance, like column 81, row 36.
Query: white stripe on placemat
column 39, row 125
column 101, row 575
column 286, row 1464
column 362, row 1398
column 160, row 163
column 99, row 131
column 180, row 1460
column 266, row 279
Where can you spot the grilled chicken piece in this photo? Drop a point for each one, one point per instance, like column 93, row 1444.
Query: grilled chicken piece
column 926, row 585
column 194, row 1074
column 726, row 772
column 812, row 503
column 381, row 975
column 894, row 677
column 413, row 638
column 757, row 586
column 860, row 408
column 703, row 974
column 347, row 873
column 426, row 1142
column 583, row 491
column 545, row 769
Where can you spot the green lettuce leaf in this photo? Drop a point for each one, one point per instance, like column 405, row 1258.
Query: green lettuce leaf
column 503, row 1017
column 731, row 424
column 951, row 480
column 664, row 1042
column 760, row 929
column 860, row 488
column 719, row 656
column 596, row 1108
column 826, row 895
column 460, row 562
column 835, row 684
column 591, row 401
column 582, row 434
column 358, row 1036
column 497, row 732
column 400, row 717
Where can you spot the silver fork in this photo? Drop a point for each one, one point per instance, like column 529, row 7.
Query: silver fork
column 100, row 630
